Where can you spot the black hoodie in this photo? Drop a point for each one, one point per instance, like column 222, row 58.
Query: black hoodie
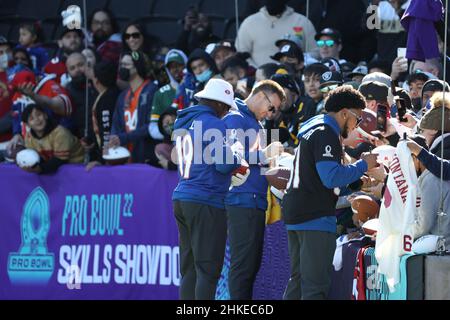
column 436, row 145
column 202, row 54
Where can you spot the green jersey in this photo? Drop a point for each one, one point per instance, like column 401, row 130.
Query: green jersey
column 162, row 100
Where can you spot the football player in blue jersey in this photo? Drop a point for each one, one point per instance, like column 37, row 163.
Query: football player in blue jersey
column 205, row 163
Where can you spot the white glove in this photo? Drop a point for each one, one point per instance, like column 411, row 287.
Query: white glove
column 239, row 179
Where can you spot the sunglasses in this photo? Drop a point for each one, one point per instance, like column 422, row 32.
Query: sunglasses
column 358, row 118
column 322, row 43
column 134, row 35
column 329, row 88
column 271, row 106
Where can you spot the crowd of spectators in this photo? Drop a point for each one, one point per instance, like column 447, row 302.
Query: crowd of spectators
column 130, row 85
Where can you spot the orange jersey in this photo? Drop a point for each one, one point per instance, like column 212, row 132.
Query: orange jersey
column 131, row 105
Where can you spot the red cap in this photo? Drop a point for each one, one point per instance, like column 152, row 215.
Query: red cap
column 23, row 76
column 56, row 67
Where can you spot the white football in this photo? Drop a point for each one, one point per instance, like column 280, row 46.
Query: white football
column 117, row 155
column 27, row 158
column 278, row 177
column 425, row 244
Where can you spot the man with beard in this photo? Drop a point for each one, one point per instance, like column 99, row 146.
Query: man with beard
column 318, row 177
column 104, row 35
column 69, row 42
column 259, row 31
column 197, row 32
column 76, row 68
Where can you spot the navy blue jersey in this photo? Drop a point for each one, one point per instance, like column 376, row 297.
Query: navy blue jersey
column 243, row 127
column 317, row 172
column 205, row 159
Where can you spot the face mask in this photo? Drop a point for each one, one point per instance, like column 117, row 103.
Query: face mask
column 168, row 129
column 79, row 81
column 4, row 61
column 124, row 74
column 275, row 7
column 292, row 66
column 204, row 76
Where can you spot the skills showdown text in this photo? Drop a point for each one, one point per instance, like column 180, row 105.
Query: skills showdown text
column 119, row 257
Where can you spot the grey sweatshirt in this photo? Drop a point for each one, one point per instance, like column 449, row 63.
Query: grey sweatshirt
column 427, row 219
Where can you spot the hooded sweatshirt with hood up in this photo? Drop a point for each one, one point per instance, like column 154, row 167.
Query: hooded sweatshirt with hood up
column 164, row 97
column 190, row 85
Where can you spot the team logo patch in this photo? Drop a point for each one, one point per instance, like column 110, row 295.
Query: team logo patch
column 33, row 264
column 285, row 48
column 298, row 31
column 327, row 76
column 328, row 152
column 135, row 55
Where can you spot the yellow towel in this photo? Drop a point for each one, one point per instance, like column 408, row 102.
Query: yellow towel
column 273, row 212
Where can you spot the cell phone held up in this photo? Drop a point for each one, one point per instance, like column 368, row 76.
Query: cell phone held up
column 382, row 117
column 401, row 109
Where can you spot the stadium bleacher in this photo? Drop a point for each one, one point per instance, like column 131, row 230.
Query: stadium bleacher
column 124, row 11
column 172, row 7
column 162, row 18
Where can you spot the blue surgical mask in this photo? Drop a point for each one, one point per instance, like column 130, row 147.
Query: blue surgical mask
column 4, row 60
column 204, row 76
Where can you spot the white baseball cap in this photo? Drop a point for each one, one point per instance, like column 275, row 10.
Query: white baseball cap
column 218, row 90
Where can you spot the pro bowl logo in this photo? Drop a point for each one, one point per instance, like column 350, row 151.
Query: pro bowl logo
column 33, row 264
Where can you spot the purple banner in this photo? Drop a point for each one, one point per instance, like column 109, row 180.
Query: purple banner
column 105, row 234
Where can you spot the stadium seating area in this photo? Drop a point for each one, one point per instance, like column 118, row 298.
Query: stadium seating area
column 161, row 17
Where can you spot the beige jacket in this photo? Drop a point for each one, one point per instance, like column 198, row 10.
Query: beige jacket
column 258, row 33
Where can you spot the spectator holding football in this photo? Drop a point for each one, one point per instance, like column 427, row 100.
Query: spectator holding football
column 54, row 144
column 132, row 114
